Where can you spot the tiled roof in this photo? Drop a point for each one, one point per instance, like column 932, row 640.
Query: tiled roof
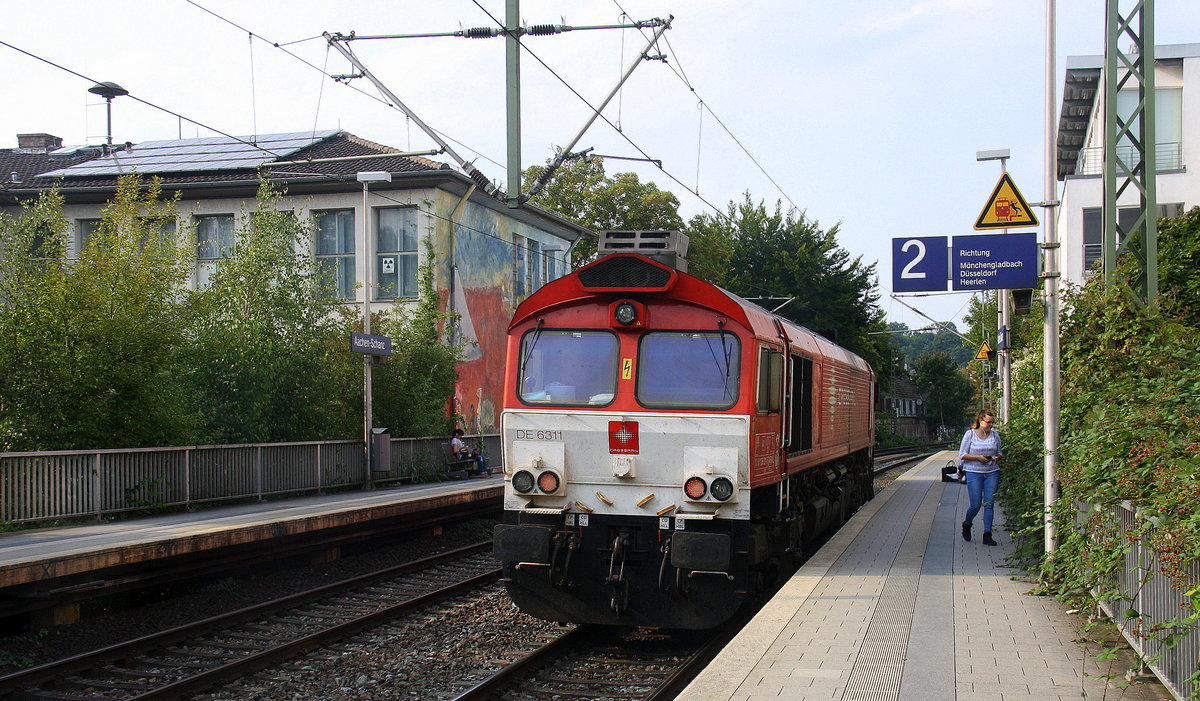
column 19, row 166
column 296, row 165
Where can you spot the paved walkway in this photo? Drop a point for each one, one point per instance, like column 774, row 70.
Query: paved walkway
column 898, row 606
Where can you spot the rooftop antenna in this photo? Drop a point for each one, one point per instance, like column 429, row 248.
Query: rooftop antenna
column 108, row 90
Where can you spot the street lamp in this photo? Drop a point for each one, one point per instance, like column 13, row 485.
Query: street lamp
column 366, row 178
column 1003, row 358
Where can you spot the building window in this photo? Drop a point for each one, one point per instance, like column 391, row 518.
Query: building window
column 520, row 255
column 1093, row 227
column 84, row 230
column 214, row 240
column 396, row 252
column 534, row 259
column 335, row 250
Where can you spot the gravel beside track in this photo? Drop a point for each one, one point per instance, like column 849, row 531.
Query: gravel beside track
column 436, row 656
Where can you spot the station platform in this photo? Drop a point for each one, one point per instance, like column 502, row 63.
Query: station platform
column 57, row 564
column 898, row 606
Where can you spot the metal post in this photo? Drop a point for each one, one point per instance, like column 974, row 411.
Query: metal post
column 366, row 178
column 1130, row 146
column 367, row 359
column 1050, row 347
column 512, row 65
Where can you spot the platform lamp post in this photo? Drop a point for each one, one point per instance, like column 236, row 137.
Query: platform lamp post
column 366, row 178
column 1003, row 357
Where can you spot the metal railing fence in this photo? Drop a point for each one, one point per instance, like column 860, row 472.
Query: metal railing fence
column 1167, row 156
column 1174, row 656
column 51, row 485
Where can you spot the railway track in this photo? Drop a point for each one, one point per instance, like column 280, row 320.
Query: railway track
column 605, row 665
column 890, row 458
column 188, row 659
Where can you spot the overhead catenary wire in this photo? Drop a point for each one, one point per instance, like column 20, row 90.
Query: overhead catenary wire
column 325, row 73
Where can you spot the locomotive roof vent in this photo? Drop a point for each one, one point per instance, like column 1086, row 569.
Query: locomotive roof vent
column 624, row 273
column 666, row 247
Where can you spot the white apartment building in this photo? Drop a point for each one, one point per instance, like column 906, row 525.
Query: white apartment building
column 1081, row 150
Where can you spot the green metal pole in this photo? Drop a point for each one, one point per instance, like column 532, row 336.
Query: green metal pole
column 512, row 63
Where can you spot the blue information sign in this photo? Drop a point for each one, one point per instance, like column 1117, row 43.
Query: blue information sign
column 919, row 264
column 374, row 345
column 994, row 262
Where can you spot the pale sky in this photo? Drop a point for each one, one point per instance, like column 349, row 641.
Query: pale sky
column 863, row 112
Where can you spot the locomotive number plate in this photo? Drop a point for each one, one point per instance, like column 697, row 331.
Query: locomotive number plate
column 570, row 519
column 583, row 520
column 664, row 524
column 538, row 435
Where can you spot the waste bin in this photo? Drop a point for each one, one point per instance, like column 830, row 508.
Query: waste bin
column 381, row 451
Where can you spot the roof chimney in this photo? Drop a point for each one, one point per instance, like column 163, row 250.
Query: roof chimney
column 41, row 142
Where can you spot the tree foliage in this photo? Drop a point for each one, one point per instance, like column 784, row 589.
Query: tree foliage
column 581, row 191
column 418, row 378
column 92, row 345
column 266, row 336
column 113, row 350
column 947, row 391
column 790, row 259
column 1130, row 418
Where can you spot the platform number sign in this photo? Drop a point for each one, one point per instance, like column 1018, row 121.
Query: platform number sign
column 920, row 264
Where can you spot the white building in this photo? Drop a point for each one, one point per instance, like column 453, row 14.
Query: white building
column 485, row 256
column 1081, row 149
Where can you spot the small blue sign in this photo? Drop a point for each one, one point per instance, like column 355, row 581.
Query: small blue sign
column 374, row 345
column 994, row 262
column 920, row 264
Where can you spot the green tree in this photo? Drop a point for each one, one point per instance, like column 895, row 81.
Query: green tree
column 947, row 391
column 581, row 191
column 789, row 258
column 413, row 387
column 269, row 360
column 92, row 346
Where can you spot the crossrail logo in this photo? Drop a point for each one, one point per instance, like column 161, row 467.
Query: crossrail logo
column 623, row 437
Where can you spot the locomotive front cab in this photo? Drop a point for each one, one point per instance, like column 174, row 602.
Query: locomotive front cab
column 634, row 401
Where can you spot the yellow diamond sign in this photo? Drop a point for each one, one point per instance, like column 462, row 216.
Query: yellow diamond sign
column 1006, row 208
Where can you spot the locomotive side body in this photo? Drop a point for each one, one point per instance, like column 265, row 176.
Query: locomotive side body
column 668, row 447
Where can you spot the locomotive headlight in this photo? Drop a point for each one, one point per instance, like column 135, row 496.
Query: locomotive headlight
column 548, row 482
column 695, row 488
column 522, row 481
column 722, row 488
column 625, row 313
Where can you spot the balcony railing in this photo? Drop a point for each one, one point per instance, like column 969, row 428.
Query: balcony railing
column 1168, row 156
column 54, row 485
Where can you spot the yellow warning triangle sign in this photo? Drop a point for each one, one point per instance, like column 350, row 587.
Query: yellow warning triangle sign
column 983, row 352
column 1006, row 208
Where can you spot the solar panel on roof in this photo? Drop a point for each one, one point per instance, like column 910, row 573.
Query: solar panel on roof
column 208, row 153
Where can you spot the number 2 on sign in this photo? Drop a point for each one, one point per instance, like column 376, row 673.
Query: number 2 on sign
column 627, row 368
column 908, row 269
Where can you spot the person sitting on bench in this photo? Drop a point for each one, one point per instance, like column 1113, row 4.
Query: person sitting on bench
column 462, row 451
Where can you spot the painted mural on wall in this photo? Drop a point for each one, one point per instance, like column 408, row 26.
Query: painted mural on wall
column 487, row 248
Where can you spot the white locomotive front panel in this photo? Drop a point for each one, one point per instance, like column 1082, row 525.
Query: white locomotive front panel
column 646, row 511
column 627, row 463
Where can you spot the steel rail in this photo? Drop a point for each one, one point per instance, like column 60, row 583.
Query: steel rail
column 487, row 688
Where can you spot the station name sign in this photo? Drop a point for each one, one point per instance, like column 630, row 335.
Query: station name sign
column 974, row 262
column 373, row 345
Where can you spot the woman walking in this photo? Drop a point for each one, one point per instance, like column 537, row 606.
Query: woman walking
column 979, row 457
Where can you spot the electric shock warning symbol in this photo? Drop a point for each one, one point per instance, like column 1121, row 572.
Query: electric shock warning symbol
column 627, row 368
column 1006, row 208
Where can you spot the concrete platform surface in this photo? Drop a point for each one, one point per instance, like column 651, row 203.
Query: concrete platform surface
column 48, row 553
column 897, row 606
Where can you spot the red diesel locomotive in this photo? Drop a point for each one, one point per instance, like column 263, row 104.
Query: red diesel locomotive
column 669, row 447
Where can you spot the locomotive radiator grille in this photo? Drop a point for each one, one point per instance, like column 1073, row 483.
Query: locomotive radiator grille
column 624, row 271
